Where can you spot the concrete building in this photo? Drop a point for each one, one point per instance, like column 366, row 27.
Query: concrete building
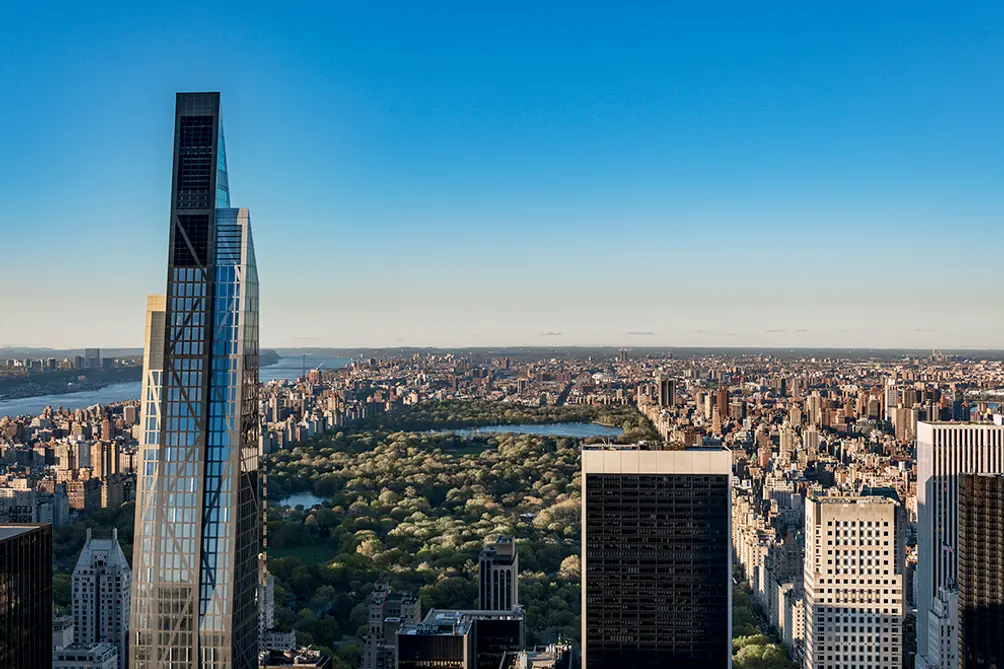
column 461, row 639
column 86, row 656
column 854, row 589
column 498, row 576
column 944, row 452
column 388, row 611
column 654, row 594
column 101, row 584
column 62, row 631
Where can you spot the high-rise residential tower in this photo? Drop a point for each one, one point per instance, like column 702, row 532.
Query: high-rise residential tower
column 656, row 558
column 498, row 576
column 101, row 584
column 198, row 510
column 854, row 584
column 944, row 452
column 981, row 571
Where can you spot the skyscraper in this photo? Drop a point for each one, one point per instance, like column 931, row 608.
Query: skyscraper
column 666, row 391
column 198, row 510
column 25, row 596
column 656, row 558
column 854, row 588
column 101, row 584
column 981, row 571
column 944, row 451
column 498, row 576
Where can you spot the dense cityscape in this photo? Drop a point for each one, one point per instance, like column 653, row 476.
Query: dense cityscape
column 814, row 439
column 565, row 337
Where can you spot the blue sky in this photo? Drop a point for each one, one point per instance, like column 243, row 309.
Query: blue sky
column 459, row 173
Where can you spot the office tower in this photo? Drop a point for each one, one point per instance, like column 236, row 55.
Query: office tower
column 654, row 594
column 461, row 639
column 92, row 358
column 666, row 391
column 25, row 596
column 981, row 571
column 498, row 576
column 388, row 612
column 101, row 585
column 198, row 513
column 944, row 452
column 854, row 587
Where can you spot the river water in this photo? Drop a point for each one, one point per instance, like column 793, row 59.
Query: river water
column 33, row 406
column 287, row 368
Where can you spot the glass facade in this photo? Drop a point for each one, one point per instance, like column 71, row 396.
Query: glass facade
column 25, row 596
column 981, row 571
column 657, row 570
column 199, row 502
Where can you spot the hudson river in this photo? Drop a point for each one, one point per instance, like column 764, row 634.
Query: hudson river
column 286, row 368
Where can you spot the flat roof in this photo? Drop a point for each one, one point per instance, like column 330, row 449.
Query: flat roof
column 13, row 530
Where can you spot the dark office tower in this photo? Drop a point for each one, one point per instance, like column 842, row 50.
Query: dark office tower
column 25, row 596
column 498, row 576
column 198, row 510
column 666, row 389
column 981, row 571
column 656, row 558
column 92, row 357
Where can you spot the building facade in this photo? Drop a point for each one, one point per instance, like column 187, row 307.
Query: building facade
column 981, row 571
column 854, row 583
column 944, row 452
column 656, row 558
column 102, row 583
column 198, row 511
column 25, row 596
column 388, row 611
column 498, row 576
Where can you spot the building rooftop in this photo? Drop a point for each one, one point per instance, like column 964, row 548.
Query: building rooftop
column 837, row 499
column 653, row 446
column 12, row 530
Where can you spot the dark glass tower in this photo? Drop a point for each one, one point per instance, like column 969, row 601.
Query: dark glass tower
column 25, row 596
column 198, row 511
column 656, row 558
column 981, row 571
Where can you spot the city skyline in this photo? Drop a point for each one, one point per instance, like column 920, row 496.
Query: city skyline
column 719, row 176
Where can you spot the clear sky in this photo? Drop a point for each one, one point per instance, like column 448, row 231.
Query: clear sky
column 486, row 173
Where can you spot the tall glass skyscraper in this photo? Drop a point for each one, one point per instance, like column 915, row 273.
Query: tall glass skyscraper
column 198, row 510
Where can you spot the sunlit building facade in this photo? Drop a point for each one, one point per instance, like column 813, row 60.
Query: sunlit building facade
column 198, row 511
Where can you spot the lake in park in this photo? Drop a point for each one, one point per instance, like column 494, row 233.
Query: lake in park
column 579, row 430
column 304, row 499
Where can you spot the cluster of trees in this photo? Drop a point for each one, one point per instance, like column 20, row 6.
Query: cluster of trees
column 442, row 415
column 751, row 648
column 415, row 509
